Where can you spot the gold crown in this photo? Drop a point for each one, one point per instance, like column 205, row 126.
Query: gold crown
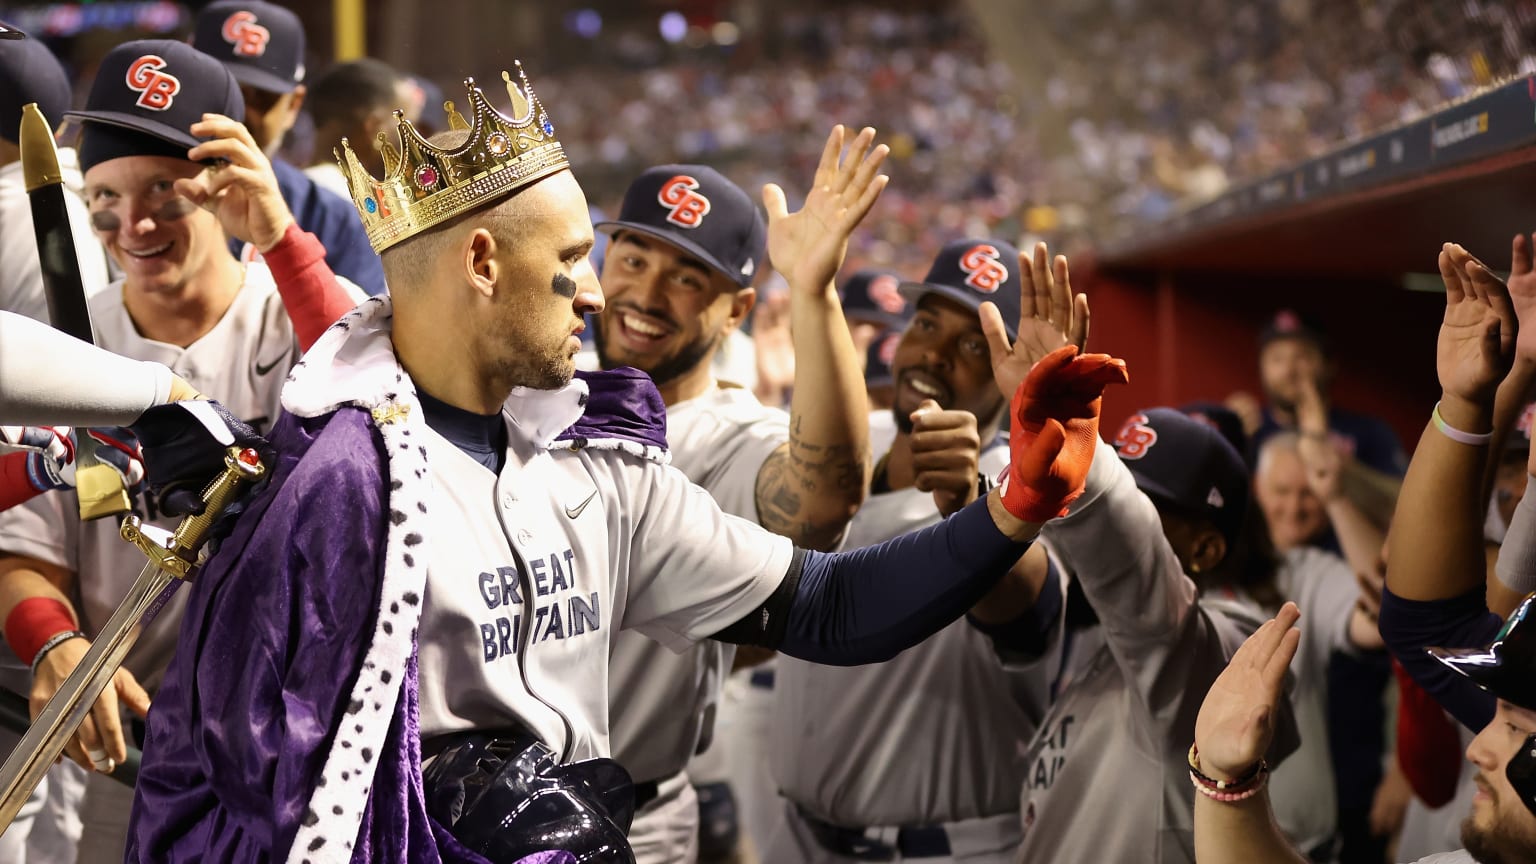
column 424, row 185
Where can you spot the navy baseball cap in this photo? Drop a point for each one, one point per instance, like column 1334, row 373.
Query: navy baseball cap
column 972, row 272
column 1222, row 419
column 875, row 296
column 879, row 357
column 695, row 208
column 154, row 90
column 1186, row 464
column 1507, row 667
column 262, row 43
column 1288, row 324
column 29, row 73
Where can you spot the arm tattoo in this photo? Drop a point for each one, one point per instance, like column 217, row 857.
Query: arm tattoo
column 807, row 491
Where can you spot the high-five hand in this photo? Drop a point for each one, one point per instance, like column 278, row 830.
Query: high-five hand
column 808, row 246
column 1477, row 336
column 1049, row 318
column 1055, row 431
column 1237, row 718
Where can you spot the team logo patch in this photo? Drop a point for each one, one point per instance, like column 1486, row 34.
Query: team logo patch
column 157, row 89
column 1135, row 438
column 882, row 290
column 687, row 207
column 984, row 269
column 249, row 38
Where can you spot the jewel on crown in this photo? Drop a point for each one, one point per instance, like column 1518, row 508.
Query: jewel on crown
column 424, row 185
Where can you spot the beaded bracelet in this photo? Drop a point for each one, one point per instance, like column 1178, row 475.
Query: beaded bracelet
column 1471, row 439
column 1230, row 797
column 53, row 642
column 1220, row 785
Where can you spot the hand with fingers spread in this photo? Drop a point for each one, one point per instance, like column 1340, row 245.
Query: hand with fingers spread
column 1477, row 337
column 1237, row 718
column 1049, row 318
column 99, row 744
column 808, row 246
column 240, row 188
column 946, row 454
column 1055, row 431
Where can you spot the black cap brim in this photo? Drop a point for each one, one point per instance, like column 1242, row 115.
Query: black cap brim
column 915, row 291
column 261, row 79
column 875, row 316
column 137, row 124
column 682, row 243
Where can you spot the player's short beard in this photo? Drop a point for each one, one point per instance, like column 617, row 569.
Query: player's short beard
column 1496, row 845
column 700, row 350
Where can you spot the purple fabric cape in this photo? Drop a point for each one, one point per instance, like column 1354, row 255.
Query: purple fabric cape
column 275, row 630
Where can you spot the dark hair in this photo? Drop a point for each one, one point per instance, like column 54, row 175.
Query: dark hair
column 1250, row 564
column 351, row 91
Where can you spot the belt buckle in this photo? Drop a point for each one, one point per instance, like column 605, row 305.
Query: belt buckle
column 848, row 842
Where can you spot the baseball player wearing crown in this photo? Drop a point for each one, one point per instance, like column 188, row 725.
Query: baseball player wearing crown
column 676, row 279
column 157, row 109
column 456, row 528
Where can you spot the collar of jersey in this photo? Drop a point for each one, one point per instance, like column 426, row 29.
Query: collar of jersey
column 354, row 364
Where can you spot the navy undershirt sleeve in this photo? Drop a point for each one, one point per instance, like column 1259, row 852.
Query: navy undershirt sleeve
column 868, row 605
column 1028, row 636
column 1410, row 626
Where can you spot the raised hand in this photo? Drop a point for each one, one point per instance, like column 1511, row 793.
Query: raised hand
column 1049, row 318
column 1522, row 294
column 241, row 188
column 1319, row 456
column 1477, row 337
column 1237, row 718
column 808, row 246
column 1055, row 431
column 946, row 452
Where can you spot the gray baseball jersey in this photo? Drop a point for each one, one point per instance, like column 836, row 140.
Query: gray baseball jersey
column 930, row 737
column 609, row 541
column 1115, row 736
column 1301, row 789
column 244, row 361
column 659, row 700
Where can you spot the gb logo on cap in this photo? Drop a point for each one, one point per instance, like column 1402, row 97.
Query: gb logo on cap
column 249, row 38
column 984, row 268
column 1135, row 437
column 157, row 89
column 687, row 207
column 883, row 289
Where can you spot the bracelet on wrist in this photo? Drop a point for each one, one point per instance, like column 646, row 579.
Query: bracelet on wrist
column 1251, row 775
column 1231, row 796
column 1471, row 439
column 53, row 642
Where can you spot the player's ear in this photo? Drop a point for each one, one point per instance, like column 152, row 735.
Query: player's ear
column 742, row 301
column 478, row 256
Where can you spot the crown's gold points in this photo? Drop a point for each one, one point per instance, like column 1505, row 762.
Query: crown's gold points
column 424, row 185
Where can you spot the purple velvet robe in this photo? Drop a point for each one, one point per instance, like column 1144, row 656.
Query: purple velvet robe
column 274, row 635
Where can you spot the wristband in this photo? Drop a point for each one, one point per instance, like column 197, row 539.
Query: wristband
column 53, row 642
column 1249, row 776
column 1471, row 439
column 1230, row 797
column 33, row 622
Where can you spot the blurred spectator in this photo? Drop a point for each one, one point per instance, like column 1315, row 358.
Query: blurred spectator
column 354, row 101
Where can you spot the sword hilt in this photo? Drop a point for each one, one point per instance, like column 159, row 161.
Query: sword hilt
column 179, row 556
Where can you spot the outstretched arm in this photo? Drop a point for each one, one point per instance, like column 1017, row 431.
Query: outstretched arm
column 1233, row 732
column 810, row 487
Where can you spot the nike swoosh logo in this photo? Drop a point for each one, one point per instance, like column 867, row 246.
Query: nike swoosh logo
column 263, row 371
column 573, row 512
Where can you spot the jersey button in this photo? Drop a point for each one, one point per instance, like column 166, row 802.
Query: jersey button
column 524, row 536
column 507, row 500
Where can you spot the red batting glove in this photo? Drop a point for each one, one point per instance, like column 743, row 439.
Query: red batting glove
column 1055, row 430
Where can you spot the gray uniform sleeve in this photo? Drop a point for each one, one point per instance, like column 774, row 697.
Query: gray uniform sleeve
column 1112, row 542
column 1516, row 566
column 47, row 377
